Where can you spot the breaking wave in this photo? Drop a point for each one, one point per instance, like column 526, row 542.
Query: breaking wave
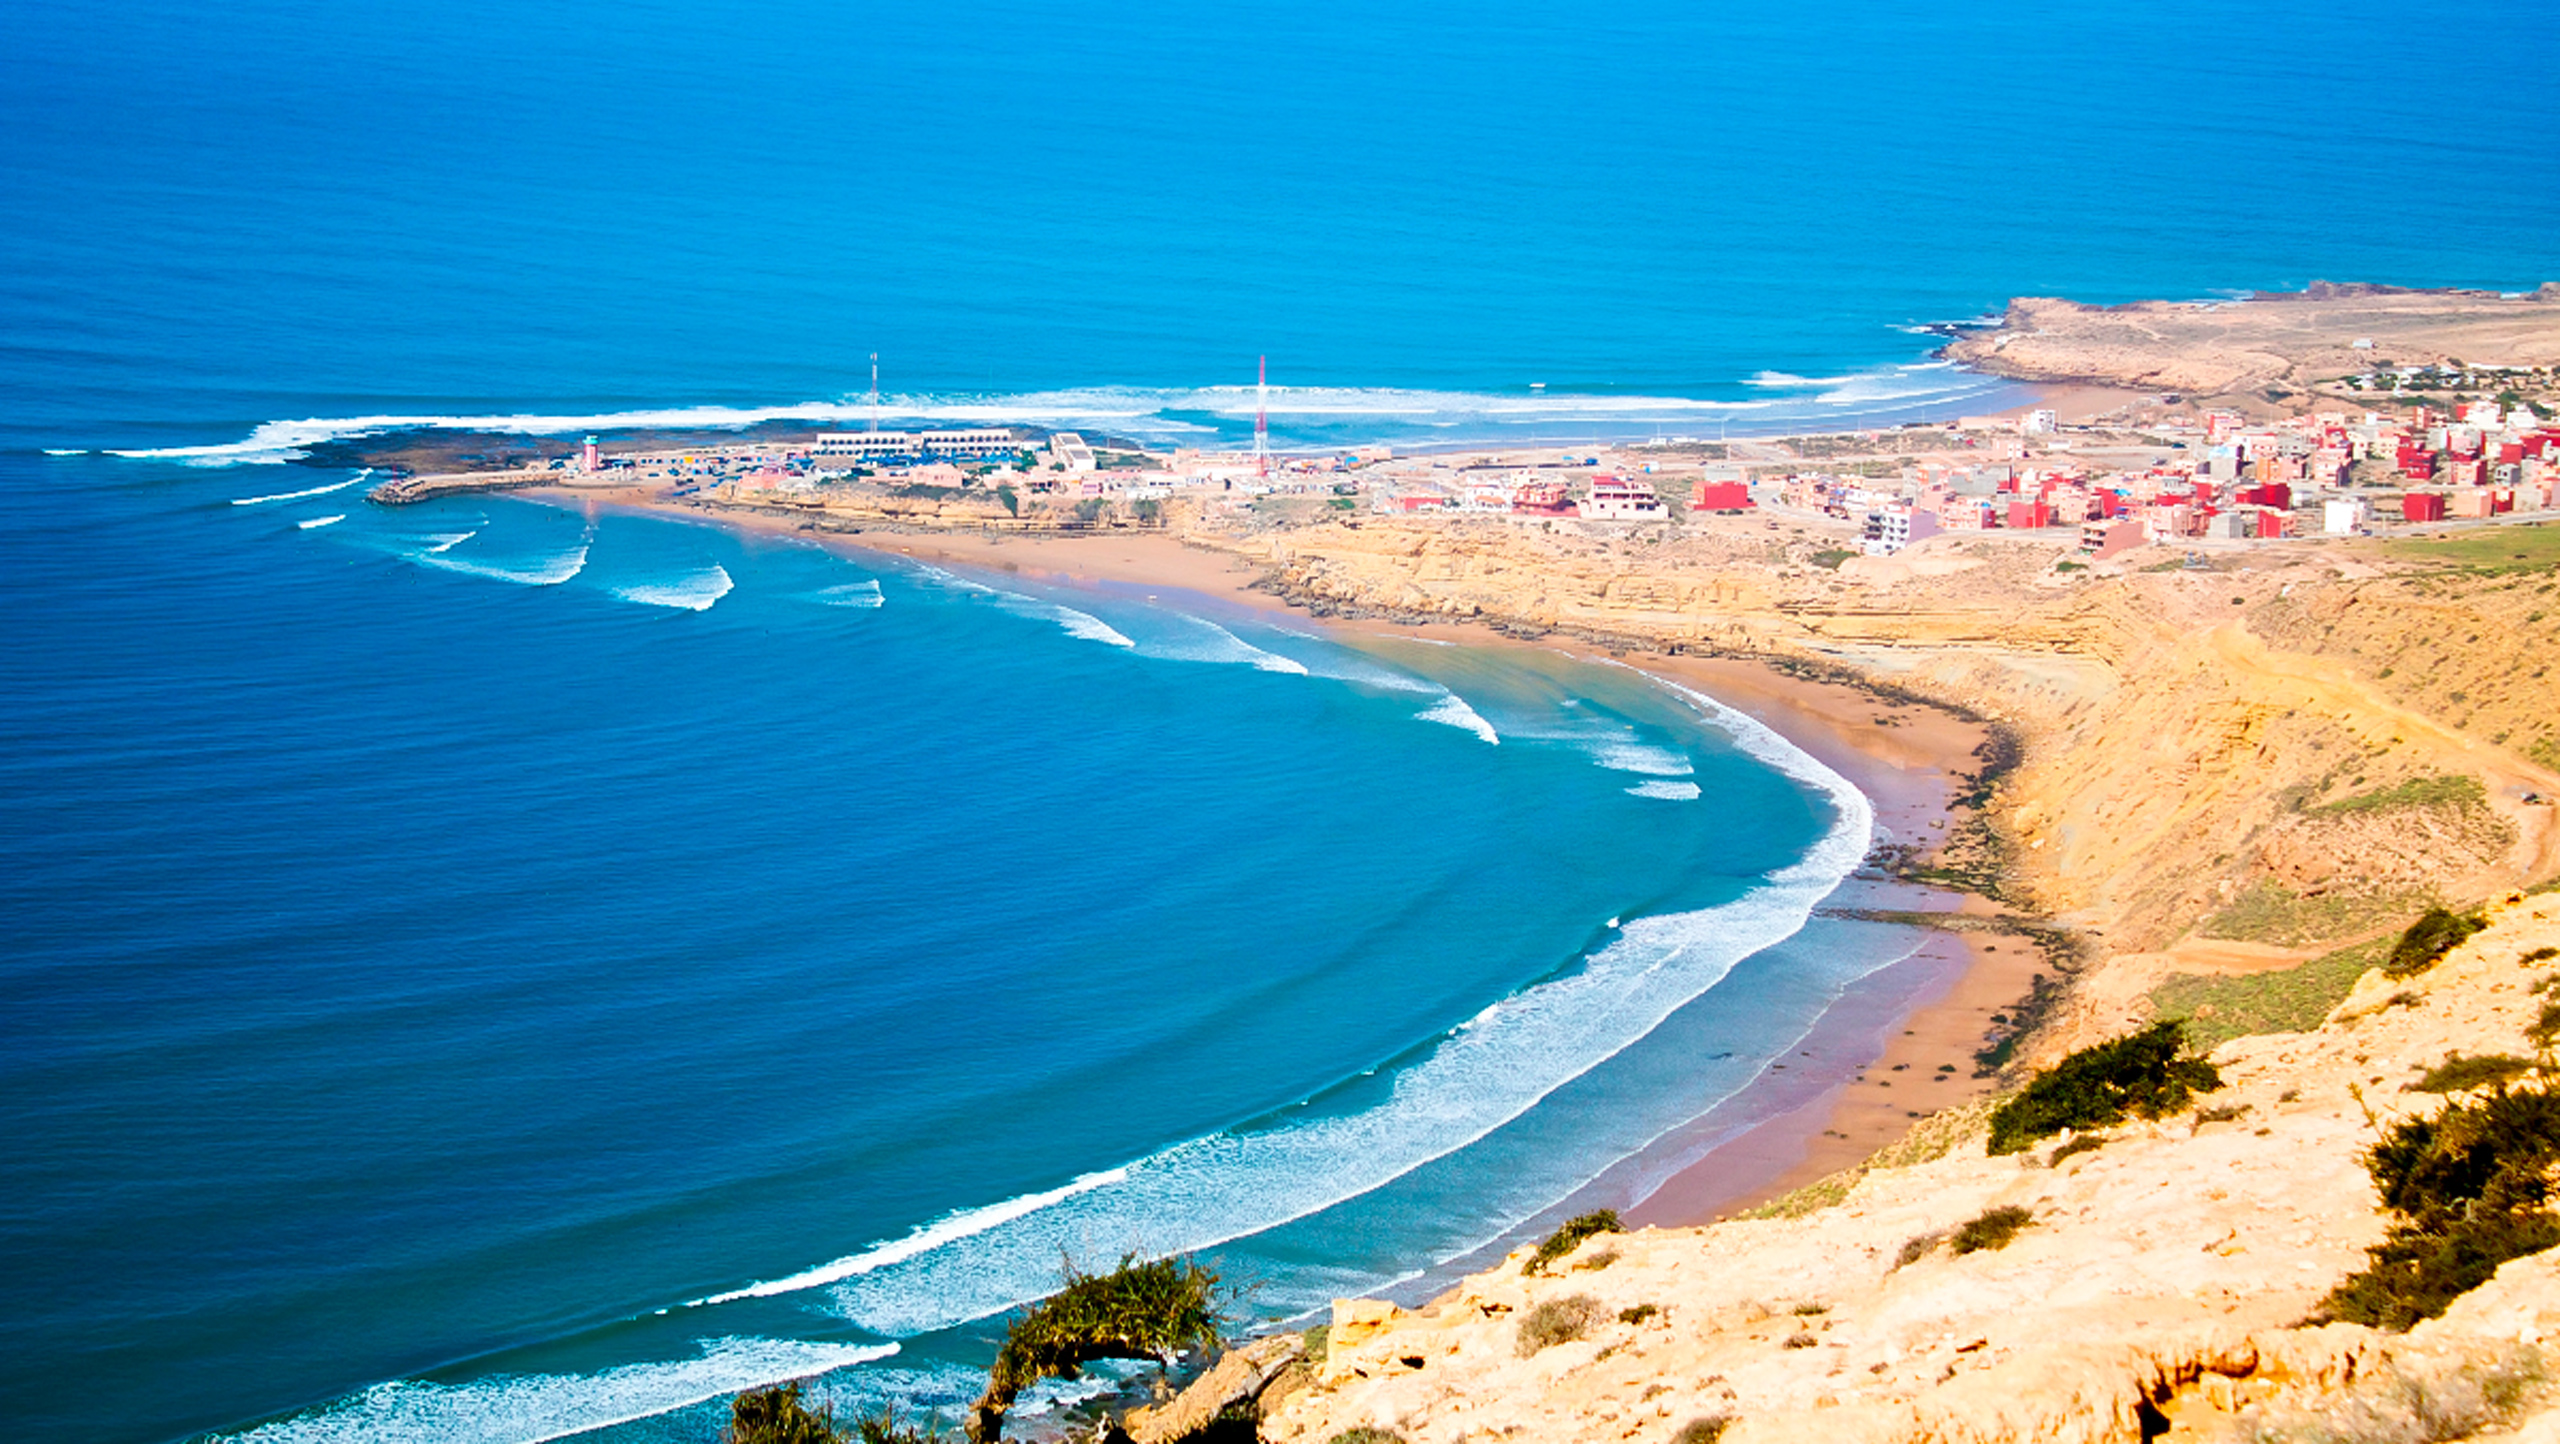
column 1453, row 711
column 531, row 1408
column 851, row 594
column 698, row 592
column 299, row 495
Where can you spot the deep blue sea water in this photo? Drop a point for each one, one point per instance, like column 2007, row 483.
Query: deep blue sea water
column 485, row 971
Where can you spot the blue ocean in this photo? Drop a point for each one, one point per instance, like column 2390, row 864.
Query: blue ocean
column 492, row 971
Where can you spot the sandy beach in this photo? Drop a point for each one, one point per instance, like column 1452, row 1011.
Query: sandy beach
column 1874, row 1060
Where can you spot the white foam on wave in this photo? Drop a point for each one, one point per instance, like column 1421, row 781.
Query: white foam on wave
column 1453, row 711
column 698, row 592
column 299, row 495
column 66, row 451
column 447, row 541
column 1667, row 790
column 851, row 594
column 1083, row 625
column 1473, row 1080
column 548, row 571
column 945, row 1230
column 531, row 1408
column 317, row 522
column 1640, row 757
column 1202, row 640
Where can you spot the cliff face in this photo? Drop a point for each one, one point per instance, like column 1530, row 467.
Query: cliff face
column 2156, row 1286
column 2186, row 730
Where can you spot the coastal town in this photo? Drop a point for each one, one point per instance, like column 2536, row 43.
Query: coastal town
column 2142, row 475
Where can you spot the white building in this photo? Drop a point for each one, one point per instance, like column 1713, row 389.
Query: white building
column 1068, row 450
column 1891, row 528
column 986, row 442
column 1616, row 498
column 2040, row 422
column 2345, row 515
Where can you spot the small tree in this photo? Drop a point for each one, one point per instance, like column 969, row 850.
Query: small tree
column 778, row 1416
column 1152, row 1311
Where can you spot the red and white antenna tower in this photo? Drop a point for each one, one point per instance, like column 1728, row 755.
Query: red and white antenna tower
column 1261, row 418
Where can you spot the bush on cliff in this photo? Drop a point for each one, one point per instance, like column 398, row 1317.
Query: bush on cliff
column 1990, row 1230
column 2469, row 1189
column 1569, row 1236
column 2428, row 939
column 780, row 1416
column 2142, row 1074
column 1557, row 1321
column 2458, row 1074
column 1151, row 1310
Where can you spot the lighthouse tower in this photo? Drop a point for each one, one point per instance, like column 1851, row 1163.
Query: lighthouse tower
column 587, row 457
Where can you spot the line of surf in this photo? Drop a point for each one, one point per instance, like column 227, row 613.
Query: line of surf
column 297, row 495
column 947, row 1230
column 1470, row 1081
column 535, row 1408
column 1167, row 413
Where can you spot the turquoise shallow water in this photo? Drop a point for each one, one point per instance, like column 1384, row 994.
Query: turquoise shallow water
column 440, row 941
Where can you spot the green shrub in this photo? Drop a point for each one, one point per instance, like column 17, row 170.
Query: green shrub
column 883, row 1428
column 2538, row 955
column 1569, row 1236
column 2545, row 1028
column 1558, row 1321
column 1151, row 1310
column 1366, row 1435
column 2469, row 1189
column 1703, row 1430
column 1638, row 1314
column 1993, row 1228
column 2428, row 939
column 2457, row 1074
column 1800, row 1341
column 1596, row 1261
column 778, row 1415
column 2141, row 1074
column 1916, row 1248
column 1830, row 558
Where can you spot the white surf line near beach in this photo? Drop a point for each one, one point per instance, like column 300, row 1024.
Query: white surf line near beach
column 1475, row 1078
column 1084, row 626
column 315, row 523
column 297, row 495
column 1453, row 711
column 535, row 1408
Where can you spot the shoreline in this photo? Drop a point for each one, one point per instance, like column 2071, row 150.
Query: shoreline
column 1907, row 757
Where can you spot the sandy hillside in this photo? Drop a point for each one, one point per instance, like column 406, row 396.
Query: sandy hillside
column 2158, row 1286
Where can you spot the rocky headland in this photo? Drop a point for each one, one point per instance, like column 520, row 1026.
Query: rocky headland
column 2272, row 346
